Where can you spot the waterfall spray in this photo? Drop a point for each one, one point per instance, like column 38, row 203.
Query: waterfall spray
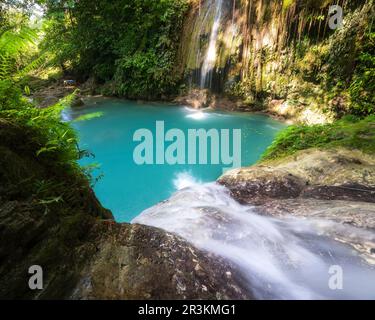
column 279, row 258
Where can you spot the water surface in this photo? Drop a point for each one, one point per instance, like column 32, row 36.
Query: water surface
column 127, row 188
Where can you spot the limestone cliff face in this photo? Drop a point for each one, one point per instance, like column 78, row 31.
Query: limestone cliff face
column 249, row 30
column 275, row 52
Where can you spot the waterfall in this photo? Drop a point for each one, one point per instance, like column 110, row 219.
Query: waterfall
column 281, row 258
column 226, row 42
column 210, row 43
column 211, row 54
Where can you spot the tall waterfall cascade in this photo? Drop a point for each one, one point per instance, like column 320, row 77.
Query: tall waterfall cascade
column 210, row 41
column 211, row 54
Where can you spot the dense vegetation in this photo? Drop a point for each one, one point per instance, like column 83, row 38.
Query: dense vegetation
column 350, row 63
column 31, row 133
column 349, row 132
column 130, row 46
column 46, row 204
column 130, row 49
column 56, row 140
column 337, row 74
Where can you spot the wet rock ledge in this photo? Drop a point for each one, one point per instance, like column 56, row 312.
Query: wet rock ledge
column 100, row 259
column 337, row 174
column 334, row 185
column 140, row 262
column 94, row 258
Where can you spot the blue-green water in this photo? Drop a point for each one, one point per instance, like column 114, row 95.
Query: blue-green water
column 127, row 188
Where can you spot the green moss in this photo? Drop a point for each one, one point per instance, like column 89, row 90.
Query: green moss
column 349, row 132
column 287, row 4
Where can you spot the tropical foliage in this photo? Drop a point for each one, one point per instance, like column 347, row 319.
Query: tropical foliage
column 362, row 87
column 350, row 132
column 55, row 140
column 130, row 49
column 131, row 44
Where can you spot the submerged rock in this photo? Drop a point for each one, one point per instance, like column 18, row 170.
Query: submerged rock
column 46, row 97
column 197, row 99
column 77, row 102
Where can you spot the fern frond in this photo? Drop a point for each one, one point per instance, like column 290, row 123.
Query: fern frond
column 6, row 66
column 12, row 44
column 35, row 64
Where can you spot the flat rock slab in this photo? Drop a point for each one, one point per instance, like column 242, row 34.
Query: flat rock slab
column 140, row 262
column 330, row 174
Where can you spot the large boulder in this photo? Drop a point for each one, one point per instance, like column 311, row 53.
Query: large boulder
column 337, row 174
column 142, row 262
column 196, row 98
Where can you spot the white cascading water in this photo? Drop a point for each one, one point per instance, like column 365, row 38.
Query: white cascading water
column 203, row 23
column 285, row 258
column 211, row 54
column 184, row 180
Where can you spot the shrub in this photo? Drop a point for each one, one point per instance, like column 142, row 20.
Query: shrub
column 349, row 132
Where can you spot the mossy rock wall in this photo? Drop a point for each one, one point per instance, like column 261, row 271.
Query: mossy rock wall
column 275, row 49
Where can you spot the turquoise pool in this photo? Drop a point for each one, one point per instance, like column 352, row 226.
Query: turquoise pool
column 106, row 128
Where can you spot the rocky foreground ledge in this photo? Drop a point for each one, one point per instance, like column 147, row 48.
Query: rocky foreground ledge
column 337, row 174
column 336, row 185
column 140, row 262
column 110, row 261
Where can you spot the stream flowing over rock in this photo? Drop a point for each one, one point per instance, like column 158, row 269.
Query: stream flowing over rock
column 336, row 185
column 293, row 220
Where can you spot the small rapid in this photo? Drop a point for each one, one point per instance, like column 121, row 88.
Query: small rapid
column 281, row 258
